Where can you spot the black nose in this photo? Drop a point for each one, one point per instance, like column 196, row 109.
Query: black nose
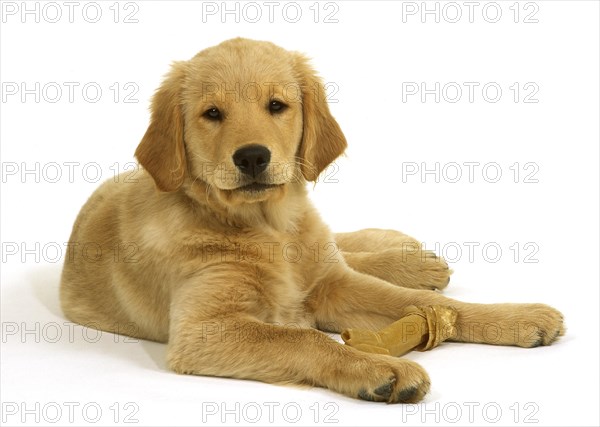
column 252, row 159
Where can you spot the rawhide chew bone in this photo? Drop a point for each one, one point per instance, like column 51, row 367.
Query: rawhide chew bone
column 419, row 328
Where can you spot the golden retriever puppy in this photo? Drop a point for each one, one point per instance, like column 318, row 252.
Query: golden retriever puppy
column 215, row 249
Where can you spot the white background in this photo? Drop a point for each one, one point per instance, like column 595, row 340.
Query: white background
column 366, row 56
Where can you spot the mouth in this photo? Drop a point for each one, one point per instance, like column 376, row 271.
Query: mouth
column 257, row 187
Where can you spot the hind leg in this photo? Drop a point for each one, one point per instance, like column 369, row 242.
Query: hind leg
column 354, row 300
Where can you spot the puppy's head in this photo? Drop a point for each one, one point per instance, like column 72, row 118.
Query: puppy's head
column 247, row 118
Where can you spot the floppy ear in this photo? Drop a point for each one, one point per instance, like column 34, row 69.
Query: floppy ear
column 161, row 151
column 322, row 138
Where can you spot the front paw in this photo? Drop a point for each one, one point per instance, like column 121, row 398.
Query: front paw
column 378, row 378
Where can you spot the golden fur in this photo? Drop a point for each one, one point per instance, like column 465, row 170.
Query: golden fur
column 239, row 282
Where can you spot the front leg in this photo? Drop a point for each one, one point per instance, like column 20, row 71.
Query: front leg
column 354, row 300
column 219, row 326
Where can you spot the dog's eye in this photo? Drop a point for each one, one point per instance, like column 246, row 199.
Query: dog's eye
column 276, row 107
column 212, row 114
